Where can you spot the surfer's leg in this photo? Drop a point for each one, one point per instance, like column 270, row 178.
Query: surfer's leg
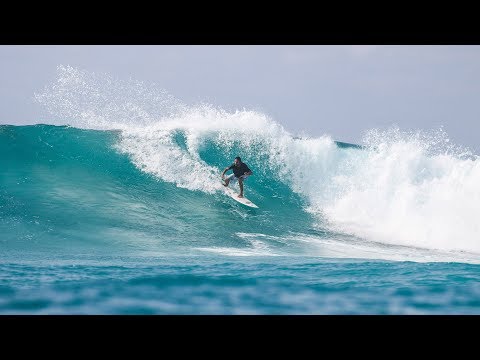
column 240, row 183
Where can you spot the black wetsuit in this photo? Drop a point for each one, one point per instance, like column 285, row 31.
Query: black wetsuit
column 239, row 170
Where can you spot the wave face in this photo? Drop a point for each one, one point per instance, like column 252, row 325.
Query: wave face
column 125, row 167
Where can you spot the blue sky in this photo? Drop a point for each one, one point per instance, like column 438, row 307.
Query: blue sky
column 340, row 90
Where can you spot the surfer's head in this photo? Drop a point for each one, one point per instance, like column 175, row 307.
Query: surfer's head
column 237, row 160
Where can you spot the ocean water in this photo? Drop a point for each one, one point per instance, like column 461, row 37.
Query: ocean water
column 112, row 204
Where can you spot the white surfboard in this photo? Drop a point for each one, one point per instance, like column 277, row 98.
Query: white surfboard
column 234, row 195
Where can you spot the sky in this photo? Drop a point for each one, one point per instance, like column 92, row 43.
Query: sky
column 338, row 90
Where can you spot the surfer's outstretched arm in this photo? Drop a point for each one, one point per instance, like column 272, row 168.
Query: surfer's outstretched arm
column 224, row 171
column 225, row 182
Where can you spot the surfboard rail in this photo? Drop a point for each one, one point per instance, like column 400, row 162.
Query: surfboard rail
column 234, row 195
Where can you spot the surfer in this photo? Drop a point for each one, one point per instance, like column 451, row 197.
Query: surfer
column 240, row 173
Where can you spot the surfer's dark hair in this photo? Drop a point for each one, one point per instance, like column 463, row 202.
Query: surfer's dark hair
column 238, row 158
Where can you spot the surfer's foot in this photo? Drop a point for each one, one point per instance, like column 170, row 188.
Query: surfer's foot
column 240, row 196
column 224, row 183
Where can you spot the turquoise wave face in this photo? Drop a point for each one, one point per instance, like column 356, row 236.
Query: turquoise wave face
column 71, row 190
column 65, row 191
